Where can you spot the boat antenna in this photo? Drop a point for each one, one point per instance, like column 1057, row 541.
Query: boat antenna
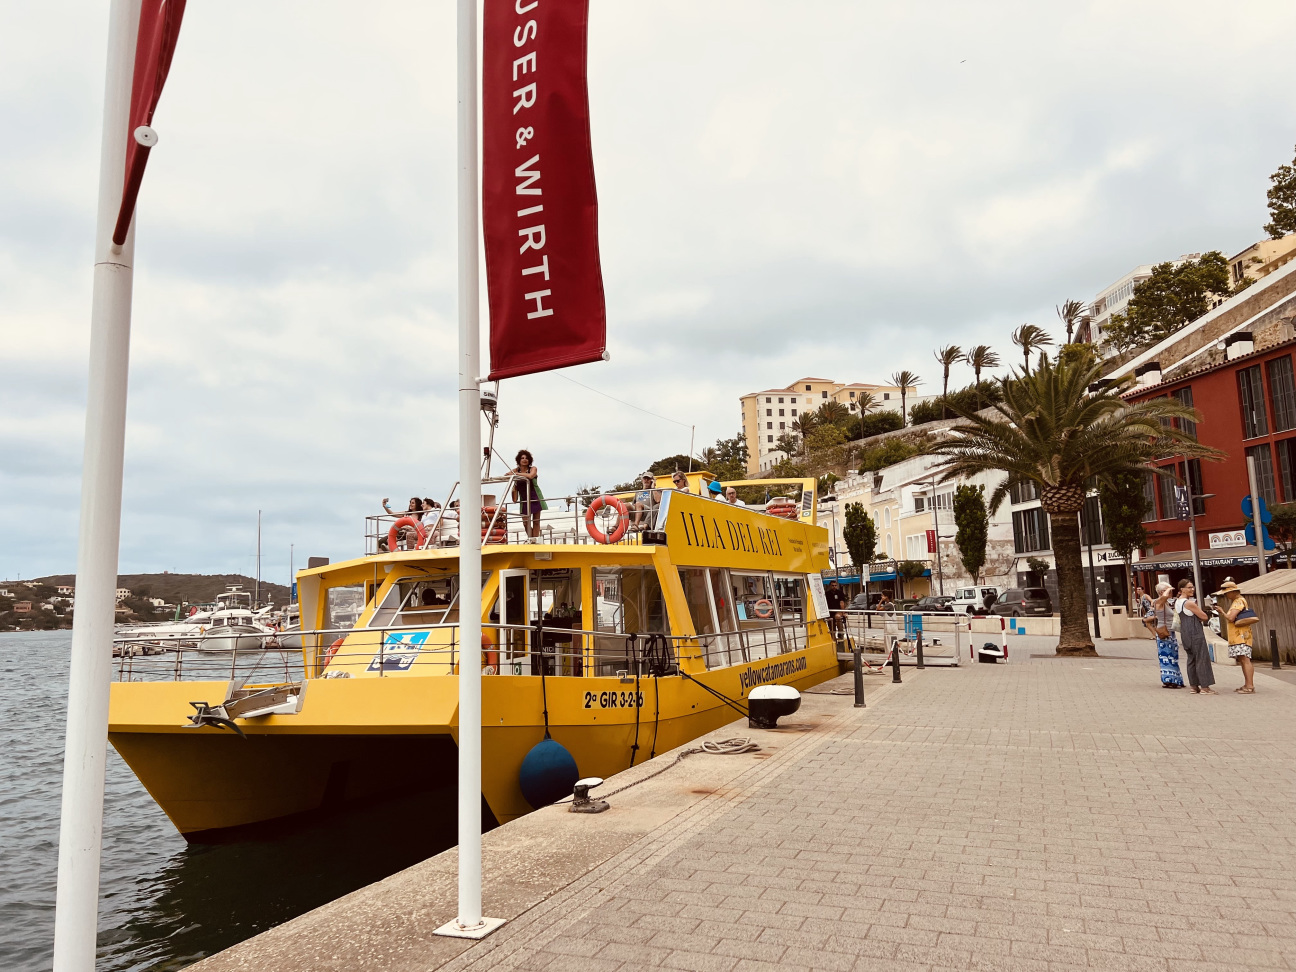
column 692, row 436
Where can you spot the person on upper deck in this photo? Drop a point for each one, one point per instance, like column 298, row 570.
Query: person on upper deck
column 715, row 491
column 731, row 497
column 431, row 516
column 526, row 491
column 408, row 534
column 646, row 500
column 681, row 481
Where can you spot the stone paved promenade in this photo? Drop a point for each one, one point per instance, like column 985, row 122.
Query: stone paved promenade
column 1043, row 815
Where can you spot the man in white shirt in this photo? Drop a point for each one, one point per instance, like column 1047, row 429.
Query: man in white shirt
column 731, row 497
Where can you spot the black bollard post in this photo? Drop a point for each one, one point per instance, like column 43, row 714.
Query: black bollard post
column 859, row 678
column 1273, row 649
column 895, row 660
column 920, row 658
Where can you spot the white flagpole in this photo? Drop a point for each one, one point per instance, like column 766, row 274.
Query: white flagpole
column 85, row 749
column 469, row 923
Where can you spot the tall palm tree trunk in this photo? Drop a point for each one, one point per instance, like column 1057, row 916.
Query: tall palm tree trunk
column 1075, row 638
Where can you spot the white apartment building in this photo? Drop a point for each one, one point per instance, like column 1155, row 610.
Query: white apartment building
column 767, row 415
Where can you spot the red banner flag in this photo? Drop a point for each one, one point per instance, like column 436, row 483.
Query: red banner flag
column 539, row 210
column 931, row 541
column 159, row 28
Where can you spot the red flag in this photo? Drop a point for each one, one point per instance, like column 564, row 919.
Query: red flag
column 539, row 210
column 931, row 541
column 159, row 27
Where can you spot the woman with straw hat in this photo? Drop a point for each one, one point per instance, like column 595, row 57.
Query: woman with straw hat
column 1239, row 635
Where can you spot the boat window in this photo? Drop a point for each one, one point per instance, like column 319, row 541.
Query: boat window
column 628, row 600
column 757, row 610
column 790, row 590
column 343, row 606
column 555, row 600
column 694, row 580
column 728, row 648
column 423, row 599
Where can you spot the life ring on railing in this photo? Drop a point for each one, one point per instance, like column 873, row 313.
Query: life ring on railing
column 783, row 507
column 332, row 650
column 490, row 656
column 498, row 535
column 623, row 519
column 763, row 609
column 393, row 535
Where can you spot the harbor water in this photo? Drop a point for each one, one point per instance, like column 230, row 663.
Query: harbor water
column 165, row 903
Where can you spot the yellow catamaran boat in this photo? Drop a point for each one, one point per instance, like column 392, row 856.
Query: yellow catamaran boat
column 616, row 651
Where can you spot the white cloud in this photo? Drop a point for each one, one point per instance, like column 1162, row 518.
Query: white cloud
column 831, row 188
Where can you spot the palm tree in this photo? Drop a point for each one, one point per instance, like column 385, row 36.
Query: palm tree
column 1052, row 432
column 832, row 413
column 948, row 358
column 904, row 380
column 1029, row 338
column 1072, row 315
column 981, row 358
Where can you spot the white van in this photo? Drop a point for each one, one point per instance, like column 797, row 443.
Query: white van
column 975, row 600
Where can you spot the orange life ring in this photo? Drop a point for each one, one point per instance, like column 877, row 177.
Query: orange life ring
column 783, row 507
column 490, row 656
column 764, row 608
column 496, row 536
column 393, row 535
column 623, row 519
column 328, row 656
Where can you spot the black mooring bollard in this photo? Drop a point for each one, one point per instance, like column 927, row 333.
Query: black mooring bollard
column 1273, row 649
column 859, row 678
column 895, row 660
column 920, row 658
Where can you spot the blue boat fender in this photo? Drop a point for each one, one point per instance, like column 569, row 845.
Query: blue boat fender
column 548, row 773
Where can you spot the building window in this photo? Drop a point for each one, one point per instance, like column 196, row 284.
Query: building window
column 886, row 516
column 769, row 438
column 1198, row 490
column 1286, row 463
column 1263, row 456
column 782, row 426
column 825, row 394
column 1023, row 492
column 886, row 396
column 1185, row 398
column 1149, row 497
column 780, row 411
column 808, row 388
column 852, row 394
column 1251, row 390
column 920, row 503
column 780, row 401
column 1030, row 530
column 1283, row 392
column 794, row 412
column 1093, row 533
column 945, row 501
column 1166, row 487
column 916, row 546
column 769, row 411
column 890, row 547
column 767, row 401
column 769, row 425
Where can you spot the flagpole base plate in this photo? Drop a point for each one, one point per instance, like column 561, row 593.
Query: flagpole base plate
column 452, row 929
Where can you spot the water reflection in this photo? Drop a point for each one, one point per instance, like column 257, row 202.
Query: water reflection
column 207, row 897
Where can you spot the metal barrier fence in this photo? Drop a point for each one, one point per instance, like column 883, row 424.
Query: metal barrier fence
column 941, row 635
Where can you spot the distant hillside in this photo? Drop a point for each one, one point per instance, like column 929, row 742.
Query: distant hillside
column 174, row 588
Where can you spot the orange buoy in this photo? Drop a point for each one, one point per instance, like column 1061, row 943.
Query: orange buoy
column 623, row 519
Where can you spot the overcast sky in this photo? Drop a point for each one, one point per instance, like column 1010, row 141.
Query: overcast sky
column 786, row 189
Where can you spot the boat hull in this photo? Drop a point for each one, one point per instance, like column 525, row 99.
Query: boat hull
column 359, row 739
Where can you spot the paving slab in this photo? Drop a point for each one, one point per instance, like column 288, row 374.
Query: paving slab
column 1045, row 814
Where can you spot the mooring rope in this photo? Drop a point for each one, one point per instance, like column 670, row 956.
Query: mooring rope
column 734, row 746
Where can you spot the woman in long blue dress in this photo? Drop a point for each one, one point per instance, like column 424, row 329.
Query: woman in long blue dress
column 1162, row 616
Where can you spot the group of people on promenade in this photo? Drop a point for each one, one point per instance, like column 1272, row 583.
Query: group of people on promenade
column 1175, row 613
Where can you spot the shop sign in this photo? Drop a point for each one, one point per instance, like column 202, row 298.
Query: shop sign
column 1228, row 538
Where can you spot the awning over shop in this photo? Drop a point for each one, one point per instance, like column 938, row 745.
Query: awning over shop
column 842, row 578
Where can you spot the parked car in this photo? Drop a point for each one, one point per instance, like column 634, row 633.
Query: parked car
column 975, row 600
column 865, row 602
column 935, row 602
column 1021, row 602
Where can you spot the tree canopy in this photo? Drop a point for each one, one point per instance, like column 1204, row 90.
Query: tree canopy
column 973, row 528
column 1123, row 505
column 1282, row 202
column 1167, row 300
column 860, row 535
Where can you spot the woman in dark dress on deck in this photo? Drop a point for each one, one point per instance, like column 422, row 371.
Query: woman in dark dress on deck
column 527, row 492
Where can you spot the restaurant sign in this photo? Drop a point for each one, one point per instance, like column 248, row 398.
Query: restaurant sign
column 1228, row 538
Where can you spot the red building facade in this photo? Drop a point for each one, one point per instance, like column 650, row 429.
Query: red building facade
column 1248, row 408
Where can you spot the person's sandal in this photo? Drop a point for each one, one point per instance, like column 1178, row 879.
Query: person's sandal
column 1244, row 691
column 1209, row 691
